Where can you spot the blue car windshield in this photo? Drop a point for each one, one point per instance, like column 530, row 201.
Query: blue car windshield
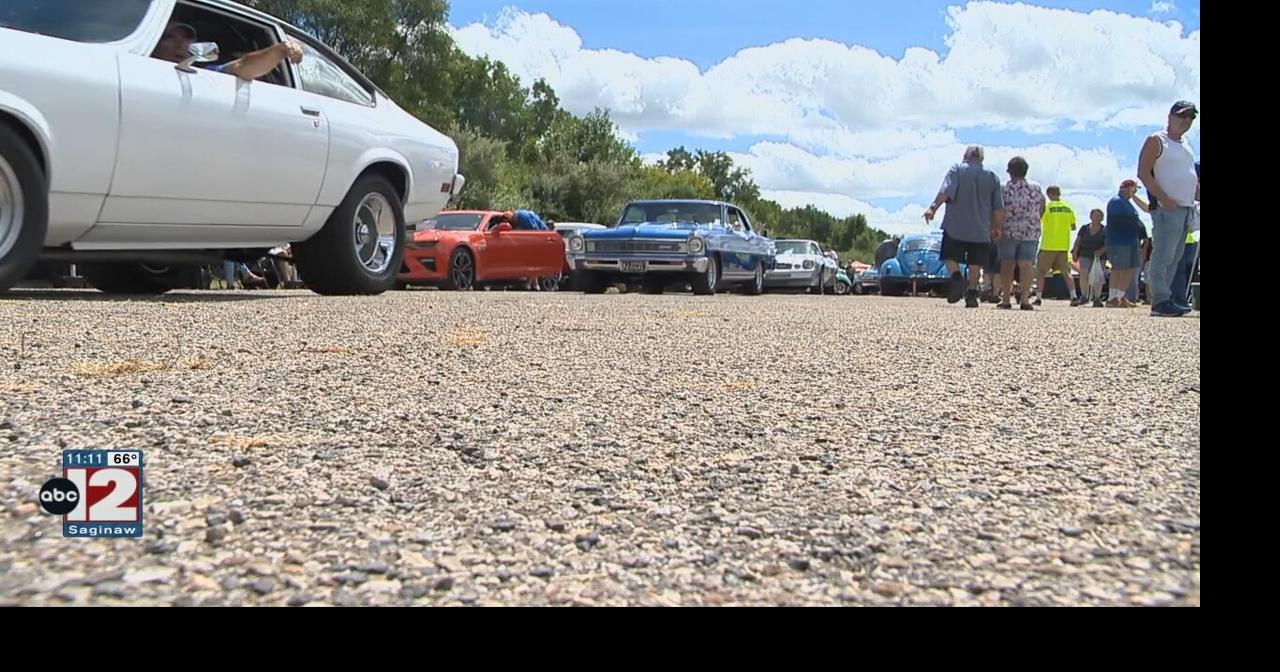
column 929, row 244
column 671, row 213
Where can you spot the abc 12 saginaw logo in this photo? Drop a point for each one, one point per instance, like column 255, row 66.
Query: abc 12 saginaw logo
column 98, row 495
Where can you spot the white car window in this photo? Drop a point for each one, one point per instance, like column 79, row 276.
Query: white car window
column 235, row 36
column 735, row 223
column 323, row 77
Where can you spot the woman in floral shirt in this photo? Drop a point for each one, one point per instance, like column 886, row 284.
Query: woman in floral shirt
column 1024, row 204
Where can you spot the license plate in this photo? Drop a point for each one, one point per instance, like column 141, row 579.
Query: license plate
column 633, row 266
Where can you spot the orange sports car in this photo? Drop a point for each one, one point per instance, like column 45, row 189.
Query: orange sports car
column 459, row 249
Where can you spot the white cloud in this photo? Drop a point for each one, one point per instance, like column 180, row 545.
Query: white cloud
column 848, row 126
column 1160, row 7
column 1002, row 69
column 907, row 219
column 917, row 175
column 918, row 172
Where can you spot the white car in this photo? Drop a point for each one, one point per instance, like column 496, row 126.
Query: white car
column 135, row 167
column 801, row 264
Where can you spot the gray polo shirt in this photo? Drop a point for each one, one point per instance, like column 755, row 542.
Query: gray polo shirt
column 974, row 193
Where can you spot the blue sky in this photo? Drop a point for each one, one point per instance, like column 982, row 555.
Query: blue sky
column 684, row 28
column 854, row 107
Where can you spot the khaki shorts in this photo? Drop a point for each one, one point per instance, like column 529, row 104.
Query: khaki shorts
column 1054, row 261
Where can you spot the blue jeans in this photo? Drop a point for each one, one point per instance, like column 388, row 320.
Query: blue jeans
column 1169, row 229
column 229, row 271
column 1014, row 250
column 1182, row 277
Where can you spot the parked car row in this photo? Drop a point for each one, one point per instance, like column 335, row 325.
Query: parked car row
column 656, row 246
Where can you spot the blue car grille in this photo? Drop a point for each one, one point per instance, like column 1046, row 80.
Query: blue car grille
column 667, row 247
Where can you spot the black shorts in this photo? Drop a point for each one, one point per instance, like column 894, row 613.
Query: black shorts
column 961, row 252
column 993, row 259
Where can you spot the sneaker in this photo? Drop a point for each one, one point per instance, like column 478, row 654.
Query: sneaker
column 1005, row 306
column 1075, row 303
column 1027, row 307
column 1182, row 307
column 1165, row 309
column 1098, row 303
column 956, row 290
column 971, row 299
column 1126, row 303
column 1039, row 301
column 1115, row 303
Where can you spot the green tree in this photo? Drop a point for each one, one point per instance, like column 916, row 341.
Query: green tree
column 657, row 182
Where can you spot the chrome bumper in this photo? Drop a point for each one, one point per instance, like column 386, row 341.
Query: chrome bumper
column 658, row 265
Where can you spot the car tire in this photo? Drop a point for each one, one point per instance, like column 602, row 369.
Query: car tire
column 24, row 208
column 756, row 286
column 461, row 274
column 350, row 255
column 707, row 282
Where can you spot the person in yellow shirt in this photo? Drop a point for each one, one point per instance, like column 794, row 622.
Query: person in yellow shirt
column 1055, row 244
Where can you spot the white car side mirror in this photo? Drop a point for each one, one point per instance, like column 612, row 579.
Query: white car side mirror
column 201, row 52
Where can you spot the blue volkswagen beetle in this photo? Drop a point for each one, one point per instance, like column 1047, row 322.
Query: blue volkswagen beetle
column 707, row 245
column 918, row 262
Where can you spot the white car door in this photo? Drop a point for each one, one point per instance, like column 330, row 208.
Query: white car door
column 208, row 148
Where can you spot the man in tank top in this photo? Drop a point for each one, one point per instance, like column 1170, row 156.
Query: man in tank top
column 1168, row 169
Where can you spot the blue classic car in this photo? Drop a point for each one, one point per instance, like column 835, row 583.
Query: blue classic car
column 707, row 245
column 917, row 266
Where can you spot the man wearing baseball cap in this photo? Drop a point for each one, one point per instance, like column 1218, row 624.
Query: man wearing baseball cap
column 1167, row 167
column 175, row 46
column 1123, row 234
